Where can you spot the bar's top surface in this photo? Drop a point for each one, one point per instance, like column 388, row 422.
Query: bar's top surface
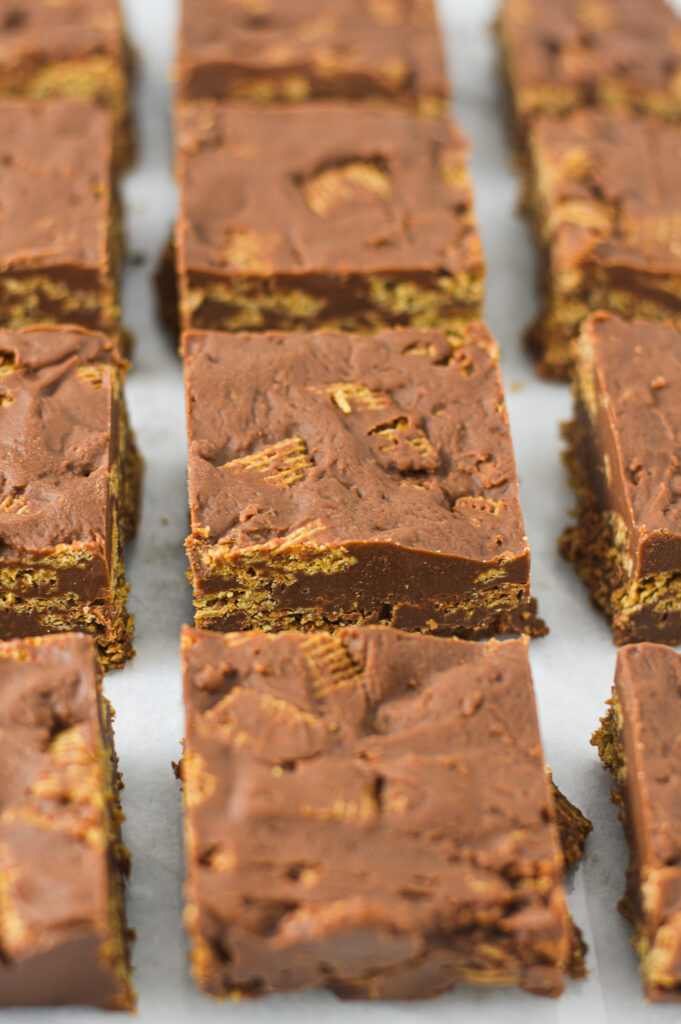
column 308, row 757
column 385, row 46
column 53, row 838
column 322, row 187
column 55, row 171
column 401, row 437
column 33, row 32
column 610, row 190
column 629, row 377
column 630, row 43
column 648, row 684
column 56, row 420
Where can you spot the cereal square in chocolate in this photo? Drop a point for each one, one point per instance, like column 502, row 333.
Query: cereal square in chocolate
column 289, row 50
column 368, row 811
column 68, row 49
column 624, row 458
column 323, row 215
column 59, row 222
column 347, row 479
column 69, row 479
column 63, row 936
column 605, row 195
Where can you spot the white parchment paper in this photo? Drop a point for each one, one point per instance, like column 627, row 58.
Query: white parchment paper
column 573, row 667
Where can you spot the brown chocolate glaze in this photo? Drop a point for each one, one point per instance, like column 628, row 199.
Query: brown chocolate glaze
column 57, row 426
column 261, row 206
column 62, row 935
column 244, row 169
column 368, row 811
column 55, row 160
column 640, row 744
column 612, row 198
column 393, row 449
column 354, row 49
column 567, row 53
column 58, row 213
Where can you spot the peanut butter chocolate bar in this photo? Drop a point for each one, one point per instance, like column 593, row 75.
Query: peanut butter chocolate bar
column 639, row 743
column 368, row 811
column 70, row 49
column 624, row 459
column 287, row 50
column 605, row 195
column 59, row 229
column 323, row 215
column 63, row 937
column 339, row 479
column 616, row 55
column 69, row 487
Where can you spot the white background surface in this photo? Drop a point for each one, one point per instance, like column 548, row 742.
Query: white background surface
column 573, row 667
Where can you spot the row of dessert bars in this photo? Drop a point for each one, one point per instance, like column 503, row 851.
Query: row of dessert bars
column 69, row 481
column 595, row 91
column 69, row 478
column 367, row 806
column 595, row 94
column 596, row 99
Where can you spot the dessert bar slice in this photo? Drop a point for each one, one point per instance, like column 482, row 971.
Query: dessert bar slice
column 69, row 482
column 639, row 742
column 63, row 937
column 337, row 479
column 70, row 49
column 323, row 215
column 59, row 229
column 368, row 811
column 620, row 55
column 287, row 50
column 624, row 459
column 605, row 194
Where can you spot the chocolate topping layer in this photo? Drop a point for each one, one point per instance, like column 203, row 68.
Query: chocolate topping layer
column 628, row 387
column 324, row 188
column 62, row 934
column 35, row 32
column 401, row 437
column 610, row 195
column 610, row 52
column 58, row 422
column 55, row 176
column 368, row 811
column 285, row 48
